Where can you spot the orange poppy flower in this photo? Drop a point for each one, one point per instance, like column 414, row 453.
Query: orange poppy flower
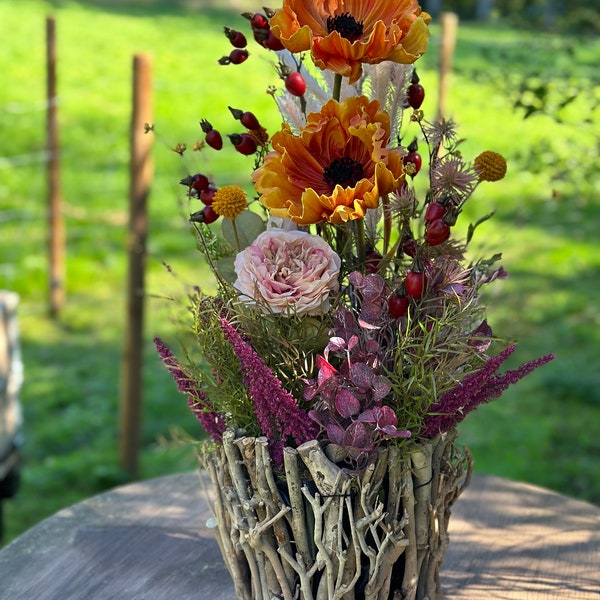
column 335, row 169
column 343, row 34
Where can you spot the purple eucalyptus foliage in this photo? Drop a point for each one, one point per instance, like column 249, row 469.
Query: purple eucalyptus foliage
column 212, row 421
column 348, row 397
column 477, row 388
column 276, row 410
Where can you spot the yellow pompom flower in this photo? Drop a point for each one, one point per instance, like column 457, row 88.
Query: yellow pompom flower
column 490, row 166
column 229, row 201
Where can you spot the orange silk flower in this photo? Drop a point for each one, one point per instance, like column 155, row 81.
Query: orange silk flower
column 335, row 169
column 343, row 34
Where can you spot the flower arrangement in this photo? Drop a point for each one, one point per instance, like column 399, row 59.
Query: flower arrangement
column 347, row 326
column 346, row 310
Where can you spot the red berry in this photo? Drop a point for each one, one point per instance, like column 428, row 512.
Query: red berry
column 398, row 305
column 238, row 56
column 409, row 247
column 437, row 232
column 272, row 43
column 247, row 118
column 237, row 38
column 415, row 94
column 199, row 182
column 244, row 143
column 259, row 21
column 434, row 211
column 415, row 159
column 213, row 137
column 207, row 195
column 214, row 140
column 372, row 261
column 415, row 284
column 249, row 121
column 295, row 84
column 260, row 36
column 209, row 214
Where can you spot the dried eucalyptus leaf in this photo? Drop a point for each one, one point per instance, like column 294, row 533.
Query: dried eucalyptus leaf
column 225, row 270
column 248, row 224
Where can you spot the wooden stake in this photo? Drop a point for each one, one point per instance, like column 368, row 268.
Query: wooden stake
column 141, row 171
column 449, row 28
column 56, row 227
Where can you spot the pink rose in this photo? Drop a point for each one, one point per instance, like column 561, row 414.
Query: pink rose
column 288, row 270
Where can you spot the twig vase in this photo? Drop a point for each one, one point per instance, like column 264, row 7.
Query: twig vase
column 316, row 531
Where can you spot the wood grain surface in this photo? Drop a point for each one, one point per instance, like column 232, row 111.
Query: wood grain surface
column 149, row 541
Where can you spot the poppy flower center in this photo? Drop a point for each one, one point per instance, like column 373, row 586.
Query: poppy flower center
column 346, row 25
column 343, row 171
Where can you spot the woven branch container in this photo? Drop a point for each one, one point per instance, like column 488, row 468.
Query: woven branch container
column 315, row 531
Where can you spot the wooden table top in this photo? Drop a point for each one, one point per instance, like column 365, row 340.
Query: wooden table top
column 148, row 540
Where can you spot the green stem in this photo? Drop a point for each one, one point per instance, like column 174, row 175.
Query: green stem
column 337, row 86
column 235, row 234
column 343, row 243
column 361, row 248
column 387, row 222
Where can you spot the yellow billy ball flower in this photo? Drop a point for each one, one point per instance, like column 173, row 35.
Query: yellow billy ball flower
column 229, row 201
column 490, row 166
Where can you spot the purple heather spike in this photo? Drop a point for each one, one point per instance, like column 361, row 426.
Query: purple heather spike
column 277, row 411
column 212, row 422
column 477, row 388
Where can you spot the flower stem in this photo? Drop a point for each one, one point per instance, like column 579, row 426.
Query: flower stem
column 361, row 249
column 235, row 233
column 337, row 86
column 387, row 222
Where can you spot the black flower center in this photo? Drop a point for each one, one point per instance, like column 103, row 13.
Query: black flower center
column 344, row 171
column 346, row 25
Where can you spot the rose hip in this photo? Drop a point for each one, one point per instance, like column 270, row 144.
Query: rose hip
column 259, row 21
column 199, row 182
column 415, row 283
column 413, row 157
column 295, row 84
column 210, row 216
column 434, row 211
column 272, row 43
column 238, row 56
column 237, row 38
column 247, row 119
column 207, row 195
column 437, row 232
column 244, row 143
column 415, row 94
column 398, row 305
column 213, row 138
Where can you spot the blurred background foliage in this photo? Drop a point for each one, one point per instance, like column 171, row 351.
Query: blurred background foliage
column 574, row 17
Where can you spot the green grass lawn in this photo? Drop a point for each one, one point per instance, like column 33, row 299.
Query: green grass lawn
column 546, row 430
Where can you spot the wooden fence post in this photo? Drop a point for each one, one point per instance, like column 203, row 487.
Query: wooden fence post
column 56, row 227
column 449, row 27
column 141, row 170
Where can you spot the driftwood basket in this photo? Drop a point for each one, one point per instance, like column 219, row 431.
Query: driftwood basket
column 314, row 530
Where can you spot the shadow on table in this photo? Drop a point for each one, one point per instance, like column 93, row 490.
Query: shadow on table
column 533, row 538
